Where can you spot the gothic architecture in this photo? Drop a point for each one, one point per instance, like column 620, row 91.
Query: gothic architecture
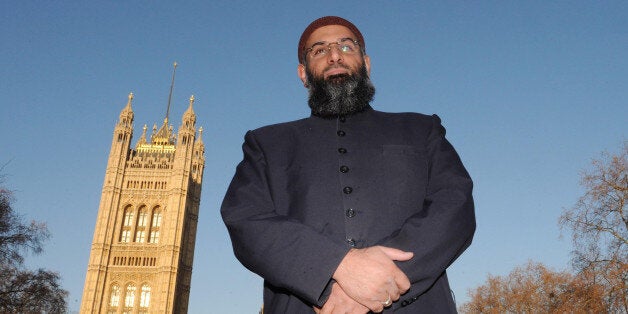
column 143, row 246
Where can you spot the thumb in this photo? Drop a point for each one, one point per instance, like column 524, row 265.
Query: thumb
column 396, row 254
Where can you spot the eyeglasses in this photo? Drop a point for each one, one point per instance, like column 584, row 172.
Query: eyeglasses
column 320, row 49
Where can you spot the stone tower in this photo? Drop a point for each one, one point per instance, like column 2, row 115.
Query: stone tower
column 143, row 246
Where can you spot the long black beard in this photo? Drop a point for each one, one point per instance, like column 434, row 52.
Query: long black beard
column 340, row 95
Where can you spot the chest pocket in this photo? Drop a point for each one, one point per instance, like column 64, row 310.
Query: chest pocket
column 405, row 172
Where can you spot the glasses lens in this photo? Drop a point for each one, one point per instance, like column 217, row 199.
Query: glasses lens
column 318, row 50
column 345, row 45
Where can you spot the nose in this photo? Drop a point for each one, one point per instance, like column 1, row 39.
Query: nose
column 334, row 55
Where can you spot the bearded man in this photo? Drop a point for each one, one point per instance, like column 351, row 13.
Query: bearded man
column 350, row 210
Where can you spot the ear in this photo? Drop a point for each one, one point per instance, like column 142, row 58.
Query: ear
column 301, row 74
column 367, row 64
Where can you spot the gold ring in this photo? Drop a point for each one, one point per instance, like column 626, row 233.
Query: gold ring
column 388, row 302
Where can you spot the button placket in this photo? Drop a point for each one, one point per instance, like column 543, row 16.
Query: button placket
column 344, row 169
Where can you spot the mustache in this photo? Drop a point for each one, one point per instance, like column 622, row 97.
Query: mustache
column 337, row 66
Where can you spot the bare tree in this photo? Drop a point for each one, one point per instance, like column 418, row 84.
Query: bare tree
column 599, row 228
column 534, row 288
column 25, row 291
column 22, row 290
column 16, row 237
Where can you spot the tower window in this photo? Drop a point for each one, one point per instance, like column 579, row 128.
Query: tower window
column 140, row 228
column 145, row 296
column 126, row 236
column 154, row 236
column 115, row 296
column 156, row 218
column 141, row 219
column 128, row 217
column 129, row 299
column 155, row 225
column 140, row 236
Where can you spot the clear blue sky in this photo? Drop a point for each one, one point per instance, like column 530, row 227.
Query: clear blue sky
column 529, row 92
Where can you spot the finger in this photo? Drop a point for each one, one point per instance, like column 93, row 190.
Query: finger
column 402, row 282
column 377, row 307
column 396, row 254
column 374, row 306
column 392, row 291
column 395, row 295
column 327, row 309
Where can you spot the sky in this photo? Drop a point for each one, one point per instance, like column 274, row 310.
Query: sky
column 529, row 92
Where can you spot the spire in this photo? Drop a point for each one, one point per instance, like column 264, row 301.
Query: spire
column 190, row 109
column 142, row 140
column 126, row 115
column 189, row 117
column 128, row 104
column 174, row 71
column 128, row 107
column 200, row 135
column 164, row 135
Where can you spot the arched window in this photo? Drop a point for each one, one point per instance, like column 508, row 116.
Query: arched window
column 128, row 216
column 145, row 296
column 114, row 300
column 140, row 229
column 156, row 217
column 141, row 219
column 129, row 299
column 127, row 224
column 155, row 225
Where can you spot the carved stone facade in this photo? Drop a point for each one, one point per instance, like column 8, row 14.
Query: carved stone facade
column 143, row 247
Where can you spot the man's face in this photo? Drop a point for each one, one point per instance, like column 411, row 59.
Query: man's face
column 334, row 63
column 338, row 82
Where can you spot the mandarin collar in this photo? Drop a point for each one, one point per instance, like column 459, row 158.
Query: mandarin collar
column 358, row 116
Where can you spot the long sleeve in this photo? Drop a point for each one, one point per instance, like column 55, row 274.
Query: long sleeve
column 284, row 251
column 444, row 227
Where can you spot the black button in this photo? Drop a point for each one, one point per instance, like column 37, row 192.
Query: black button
column 405, row 303
column 342, row 150
column 344, row 169
column 350, row 213
column 340, row 133
column 342, row 119
column 351, row 242
column 347, row 190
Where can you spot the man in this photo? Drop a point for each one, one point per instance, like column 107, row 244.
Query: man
column 350, row 210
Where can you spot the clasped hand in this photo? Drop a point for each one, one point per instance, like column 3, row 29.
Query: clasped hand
column 366, row 278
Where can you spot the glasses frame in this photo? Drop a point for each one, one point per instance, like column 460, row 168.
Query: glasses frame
column 327, row 45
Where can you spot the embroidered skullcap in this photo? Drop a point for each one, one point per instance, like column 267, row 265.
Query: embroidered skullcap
column 324, row 21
